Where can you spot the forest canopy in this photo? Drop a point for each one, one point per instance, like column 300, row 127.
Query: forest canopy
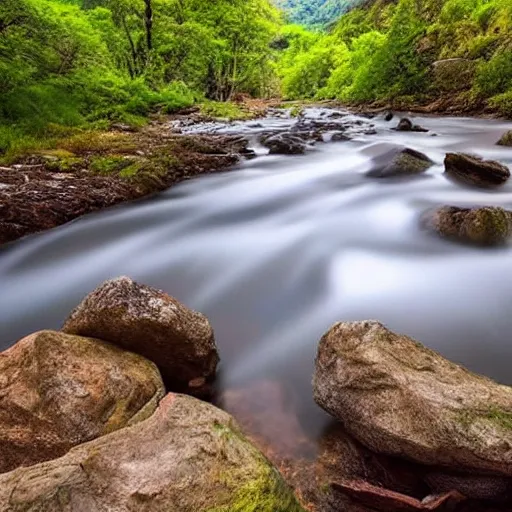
column 68, row 63
column 65, row 62
column 409, row 51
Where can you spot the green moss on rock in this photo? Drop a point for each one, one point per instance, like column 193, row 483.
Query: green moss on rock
column 506, row 139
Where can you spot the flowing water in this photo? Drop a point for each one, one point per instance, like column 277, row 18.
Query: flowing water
column 277, row 251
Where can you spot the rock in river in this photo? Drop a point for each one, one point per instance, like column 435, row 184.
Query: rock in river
column 489, row 225
column 58, row 390
column 473, row 170
column 284, row 144
column 400, row 162
column 406, row 125
column 188, row 457
column 150, row 323
column 401, row 399
column 506, row 139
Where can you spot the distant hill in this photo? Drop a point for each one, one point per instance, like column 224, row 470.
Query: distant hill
column 315, row 12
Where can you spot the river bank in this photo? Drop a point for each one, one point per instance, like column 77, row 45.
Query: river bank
column 89, row 171
column 96, row 170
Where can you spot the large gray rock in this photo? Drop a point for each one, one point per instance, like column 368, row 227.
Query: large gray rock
column 475, row 171
column 402, row 399
column 400, row 162
column 188, row 457
column 58, row 390
column 284, row 144
column 486, row 226
column 151, row 323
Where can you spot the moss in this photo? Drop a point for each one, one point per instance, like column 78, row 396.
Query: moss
column 229, row 111
column 109, row 164
column 495, row 415
column 491, row 225
column 98, row 143
column 264, row 490
column 67, row 164
column 506, row 140
column 502, row 418
column 296, row 111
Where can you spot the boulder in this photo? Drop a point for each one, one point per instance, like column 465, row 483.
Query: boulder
column 401, row 399
column 506, row 139
column 188, row 457
column 400, row 162
column 59, row 390
column 473, row 170
column 284, row 144
column 151, row 323
column 339, row 137
column 389, row 116
column 489, row 225
column 406, row 125
column 452, row 75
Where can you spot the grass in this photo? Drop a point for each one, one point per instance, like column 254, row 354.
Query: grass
column 229, row 111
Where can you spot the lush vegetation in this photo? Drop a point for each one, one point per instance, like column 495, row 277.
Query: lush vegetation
column 315, row 13
column 68, row 63
column 399, row 51
column 75, row 63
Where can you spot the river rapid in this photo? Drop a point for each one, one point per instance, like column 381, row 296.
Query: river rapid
column 278, row 250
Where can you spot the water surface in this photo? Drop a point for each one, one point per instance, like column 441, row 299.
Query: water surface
column 277, row 251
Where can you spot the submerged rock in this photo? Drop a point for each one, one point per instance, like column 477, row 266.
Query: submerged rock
column 473, row 170
column 188, row 457
column 151, row 323
column 489, row 225
column 506, row 139
column 266, row 414
column 406, row 125
column 402, row 399
column 58, row 390
column 400, row 162
column 284, row 144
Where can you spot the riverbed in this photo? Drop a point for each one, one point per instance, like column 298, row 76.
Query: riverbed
column 279, row 249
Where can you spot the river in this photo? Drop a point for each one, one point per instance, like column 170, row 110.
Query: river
column 278, row 250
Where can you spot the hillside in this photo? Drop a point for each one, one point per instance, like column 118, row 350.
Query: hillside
column 405, row 53
column 315, row 12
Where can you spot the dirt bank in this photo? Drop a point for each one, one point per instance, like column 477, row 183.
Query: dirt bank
column 94, row 170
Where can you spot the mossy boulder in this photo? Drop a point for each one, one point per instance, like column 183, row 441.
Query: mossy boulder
column 400, row 162
column 484, row 226
column 452, row 75
column 472, row 170
column 151, row 323
column 399, row 398
column 506, row 139
column 58, row 390
column 188, row 457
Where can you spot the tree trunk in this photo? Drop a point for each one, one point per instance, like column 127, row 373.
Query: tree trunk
column 148, row 21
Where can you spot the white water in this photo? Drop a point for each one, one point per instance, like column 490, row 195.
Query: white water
column 278, row 250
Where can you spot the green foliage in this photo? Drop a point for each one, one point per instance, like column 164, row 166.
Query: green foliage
column 386, row 50
column 77, row 62
column 229, row 111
